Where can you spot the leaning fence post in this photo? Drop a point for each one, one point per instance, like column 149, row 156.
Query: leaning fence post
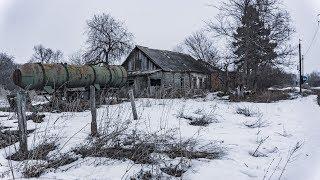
column 133, row 105
column 94, row 129
column 22, row 122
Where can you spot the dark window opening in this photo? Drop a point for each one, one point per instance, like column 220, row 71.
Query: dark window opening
column 155, row 82
column 181, row 82
column 138, row 64
column 194, row 82
column 131, row 82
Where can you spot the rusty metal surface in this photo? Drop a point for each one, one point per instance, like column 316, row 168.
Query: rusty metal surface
column 103, row 76
column 55, row 75
column 29, row 76
column 38, row 76
column 121, row 73
column 80, row 76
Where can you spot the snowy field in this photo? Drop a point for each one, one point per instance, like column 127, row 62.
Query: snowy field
column 276, row 127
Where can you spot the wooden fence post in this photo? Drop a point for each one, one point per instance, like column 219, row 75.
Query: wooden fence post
column 22, row 123
column 133, row 105
column 94, row 129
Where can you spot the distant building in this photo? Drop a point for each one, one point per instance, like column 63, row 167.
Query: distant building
column 161, row 73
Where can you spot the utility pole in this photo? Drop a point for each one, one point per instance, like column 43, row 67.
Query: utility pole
column 300, row 67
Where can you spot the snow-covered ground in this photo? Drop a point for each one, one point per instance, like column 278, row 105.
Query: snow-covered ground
column 284, row 123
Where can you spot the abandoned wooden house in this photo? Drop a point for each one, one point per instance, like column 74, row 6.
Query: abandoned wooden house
column 161, row 73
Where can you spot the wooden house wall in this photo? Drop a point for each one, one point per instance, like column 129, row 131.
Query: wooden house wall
column 137, row 61
column 169, row 81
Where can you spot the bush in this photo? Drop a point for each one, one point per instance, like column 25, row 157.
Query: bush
column 263, row 97
column 199, row 117
column 246, row 111
column 7, row 67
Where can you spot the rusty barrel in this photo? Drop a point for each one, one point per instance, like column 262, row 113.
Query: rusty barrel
column 37, row 76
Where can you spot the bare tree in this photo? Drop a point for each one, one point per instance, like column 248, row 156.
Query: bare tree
column 201, row 47
column 108, row 40
column 314, row 79
column 57, row 56
column 272, row 14
column 46, row 55
column 7, row 67
column 77, row 58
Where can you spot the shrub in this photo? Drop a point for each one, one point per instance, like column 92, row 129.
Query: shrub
column 248, row 111
column 263, row 97
column 34, row 168
column 199, row 117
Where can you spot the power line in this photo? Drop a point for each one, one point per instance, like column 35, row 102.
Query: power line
column 314, row 36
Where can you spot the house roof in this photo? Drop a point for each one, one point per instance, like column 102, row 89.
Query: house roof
column 174, row 61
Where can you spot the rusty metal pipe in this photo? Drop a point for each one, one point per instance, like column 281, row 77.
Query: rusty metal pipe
column 37, row 76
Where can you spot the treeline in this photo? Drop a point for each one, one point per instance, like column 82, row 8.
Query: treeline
column 314, row 79
column 257, row 36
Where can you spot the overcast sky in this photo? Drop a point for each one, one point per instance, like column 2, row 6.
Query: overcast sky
column 60, row 24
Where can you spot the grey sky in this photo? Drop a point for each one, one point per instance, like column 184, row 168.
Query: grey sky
column 60, row 24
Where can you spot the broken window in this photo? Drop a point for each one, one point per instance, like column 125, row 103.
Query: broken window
column 155, row 82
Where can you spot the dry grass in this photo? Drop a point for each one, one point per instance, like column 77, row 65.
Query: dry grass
column 140, row 149
column 37, row 160
column 138, row 153
column 9, row 137
column 146, row 149
column 258, row 123
column 38, row 153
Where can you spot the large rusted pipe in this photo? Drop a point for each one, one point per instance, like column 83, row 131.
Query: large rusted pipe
column 37, row 76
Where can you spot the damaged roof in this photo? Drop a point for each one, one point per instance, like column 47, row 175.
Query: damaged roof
column 174, row 61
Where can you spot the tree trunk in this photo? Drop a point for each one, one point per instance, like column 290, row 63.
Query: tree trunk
column 106, row 59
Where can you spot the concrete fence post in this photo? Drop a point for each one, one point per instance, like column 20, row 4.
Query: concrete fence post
column 94, row 128
column 22, row 122
column 133, row 105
